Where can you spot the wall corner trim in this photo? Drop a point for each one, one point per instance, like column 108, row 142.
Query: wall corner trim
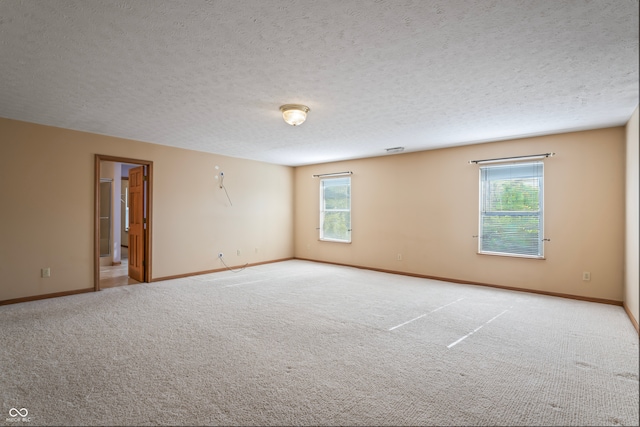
column 46, row 296
column 217, row 270
column 634, row 321
column 468, row 282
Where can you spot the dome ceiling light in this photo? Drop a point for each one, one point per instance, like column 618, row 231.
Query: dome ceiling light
column 294, row 114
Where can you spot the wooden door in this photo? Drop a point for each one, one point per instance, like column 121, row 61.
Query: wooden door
column 136, row 223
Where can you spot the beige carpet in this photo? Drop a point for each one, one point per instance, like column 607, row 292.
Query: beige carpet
column 302, row 343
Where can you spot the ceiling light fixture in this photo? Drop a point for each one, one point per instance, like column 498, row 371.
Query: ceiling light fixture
column 294, row 114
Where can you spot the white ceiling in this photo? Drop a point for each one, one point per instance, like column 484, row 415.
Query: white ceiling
column 210, row 75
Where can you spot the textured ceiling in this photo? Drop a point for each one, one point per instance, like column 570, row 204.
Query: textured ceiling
column 210, row 75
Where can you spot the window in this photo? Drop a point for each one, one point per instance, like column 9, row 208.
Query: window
column 511, row 210
column 335, row 209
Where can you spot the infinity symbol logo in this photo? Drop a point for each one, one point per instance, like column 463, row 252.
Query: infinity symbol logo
column 23, row 412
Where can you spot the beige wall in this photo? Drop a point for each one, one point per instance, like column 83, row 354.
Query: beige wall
column 632, row 278
column 47, row 208
column 424, row 205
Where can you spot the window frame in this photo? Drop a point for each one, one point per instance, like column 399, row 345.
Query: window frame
column 539, row 213
column 323, row 210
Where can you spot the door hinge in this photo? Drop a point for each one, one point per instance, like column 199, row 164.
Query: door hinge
column 145, row 178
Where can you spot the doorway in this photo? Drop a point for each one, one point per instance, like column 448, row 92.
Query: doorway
column 118, row 230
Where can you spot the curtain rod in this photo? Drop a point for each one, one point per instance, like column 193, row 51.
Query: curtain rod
column 509, row 159
column 333, row 174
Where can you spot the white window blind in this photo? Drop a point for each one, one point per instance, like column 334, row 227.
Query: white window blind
column 511, row 209
column 335, row 209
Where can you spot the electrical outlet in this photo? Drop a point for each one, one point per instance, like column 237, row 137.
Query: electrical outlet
column 45, row 272
column 238, row 252
column 220, row 255
column 586, row 276
column 399, row 257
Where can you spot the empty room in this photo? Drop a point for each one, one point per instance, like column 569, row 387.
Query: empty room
column 353, row 212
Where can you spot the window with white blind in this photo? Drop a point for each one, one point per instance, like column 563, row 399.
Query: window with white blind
column 335, row 209
column 511, row 210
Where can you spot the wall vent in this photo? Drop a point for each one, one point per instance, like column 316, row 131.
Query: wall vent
column 394, row 149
